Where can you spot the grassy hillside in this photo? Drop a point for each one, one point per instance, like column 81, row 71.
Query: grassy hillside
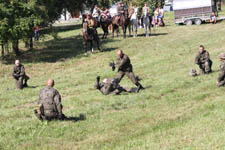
column 175, row 111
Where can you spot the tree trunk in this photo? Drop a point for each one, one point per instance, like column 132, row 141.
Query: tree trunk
column 3, row 51
column 31, row 43
column 219, row 5
column 26, row 44
column 15, row 45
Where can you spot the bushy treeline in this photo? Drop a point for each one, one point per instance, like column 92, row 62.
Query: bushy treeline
column 19, row 17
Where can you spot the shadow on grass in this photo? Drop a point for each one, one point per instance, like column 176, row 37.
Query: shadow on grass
column 59, row 29
column 153, row 34
column 57, row 50
column 81, row 117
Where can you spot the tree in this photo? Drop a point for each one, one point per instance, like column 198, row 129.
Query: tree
column 18, row 18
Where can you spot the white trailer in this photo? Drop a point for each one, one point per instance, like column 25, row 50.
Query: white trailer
column 192, row 11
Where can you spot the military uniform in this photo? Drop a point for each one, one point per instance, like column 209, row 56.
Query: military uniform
column 50, row 106
column 221, row 78
column 111, row 86
column 204, row 62
column 125, row 68
column 19, row 75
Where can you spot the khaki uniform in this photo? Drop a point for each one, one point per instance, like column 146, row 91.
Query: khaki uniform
column 50, row 106
column 221, row 78
column 91, row 23
column 111, row 86
column 19, row 75
column 204, row 62
column 125, row 68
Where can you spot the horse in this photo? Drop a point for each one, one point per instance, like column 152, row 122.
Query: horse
column 133, row 26
column 124, row 22
column 89, row 37
column 105, row 23
column 147, row 24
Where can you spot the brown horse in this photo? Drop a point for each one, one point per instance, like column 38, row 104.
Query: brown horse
column 123, row 21
column 105, row 23
column 89, row 35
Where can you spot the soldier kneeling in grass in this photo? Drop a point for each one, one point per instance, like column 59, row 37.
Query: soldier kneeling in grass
column 111, row 86
column 203, row 61
column 49, row 104
column 221, row 78
column 19, row 75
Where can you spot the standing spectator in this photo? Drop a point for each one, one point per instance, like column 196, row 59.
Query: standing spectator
column 36, row 33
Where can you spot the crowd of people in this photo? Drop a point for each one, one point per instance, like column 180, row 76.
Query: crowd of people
column 156, row 17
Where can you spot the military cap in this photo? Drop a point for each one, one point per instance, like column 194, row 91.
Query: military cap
column 222, row 56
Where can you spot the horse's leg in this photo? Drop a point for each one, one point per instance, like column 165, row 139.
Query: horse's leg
column 107, row 32
column 150, row 32
column 117, row 31
column 130, row 28
column 103, row 33
column 124, row 31
column 85, row 46
column 113, row 28
column 135, row 30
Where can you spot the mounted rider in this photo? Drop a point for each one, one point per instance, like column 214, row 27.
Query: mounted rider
column 97, row 13
column 120, row 10
column 91, row 24
column 145, row 10
column 105, row 14
column 131, row 10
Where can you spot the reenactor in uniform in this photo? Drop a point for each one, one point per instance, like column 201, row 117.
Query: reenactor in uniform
column 19, row 75
column 110, row 86
column 91, row 31
column 221, row 78
column 49, row 104
column 91, row 24
column 203, row 60
column 120, row 10
column 125, row 67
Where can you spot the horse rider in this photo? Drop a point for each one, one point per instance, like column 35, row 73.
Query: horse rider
column 105, row 14
column 120, row 10
column 131, row 10
column 145, row 10
column 91, row 24
column 97, row 13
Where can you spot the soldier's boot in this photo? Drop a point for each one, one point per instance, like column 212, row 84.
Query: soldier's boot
column 19, row 84
column 202, row 71
column 97, row 85
column 207, row 68
column 25, row 81
column 38, row 115
column 25, row 84
column 139, row 87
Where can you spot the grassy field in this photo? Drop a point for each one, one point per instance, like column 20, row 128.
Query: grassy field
column 175, row 111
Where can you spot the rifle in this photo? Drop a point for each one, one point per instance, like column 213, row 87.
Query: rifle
column 112, row 64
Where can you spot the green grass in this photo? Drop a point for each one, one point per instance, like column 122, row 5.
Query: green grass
column 175, row 112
